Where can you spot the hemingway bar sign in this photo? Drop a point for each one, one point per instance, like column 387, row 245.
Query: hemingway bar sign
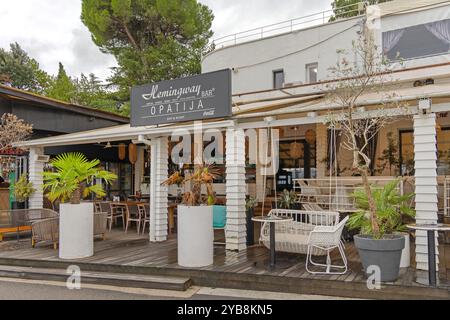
column 205, row 96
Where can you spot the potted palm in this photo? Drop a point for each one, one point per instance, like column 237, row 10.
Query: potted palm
column 71, row 180
column 195, row 217
column 22, row 191
column 382, row 247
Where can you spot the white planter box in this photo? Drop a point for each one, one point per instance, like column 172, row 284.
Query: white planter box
column 76, row 231
column 195, row 236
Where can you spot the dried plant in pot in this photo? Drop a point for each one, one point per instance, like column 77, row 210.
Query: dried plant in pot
column 195, row 216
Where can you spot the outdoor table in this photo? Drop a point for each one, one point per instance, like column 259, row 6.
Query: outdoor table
column 272, row 220
column 431, row 232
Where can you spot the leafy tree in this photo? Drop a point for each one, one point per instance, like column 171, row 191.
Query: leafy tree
column 62, row 87
column 350, row 8
column 152, row 40
column 22, row 71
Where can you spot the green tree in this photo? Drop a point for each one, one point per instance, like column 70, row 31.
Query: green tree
column 62, row 87
column 350, row 8
column 152, row 40
column 22, row 71
column 89, row 91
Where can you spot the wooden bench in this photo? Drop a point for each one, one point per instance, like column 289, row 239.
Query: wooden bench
column 13, row 230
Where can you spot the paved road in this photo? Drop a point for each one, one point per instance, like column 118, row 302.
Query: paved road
column 18, row 289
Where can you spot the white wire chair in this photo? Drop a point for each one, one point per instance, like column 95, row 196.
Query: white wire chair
column 327, row 238
column 293, row 236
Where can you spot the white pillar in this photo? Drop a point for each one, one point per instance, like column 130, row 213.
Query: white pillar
column 36, row 200
column 236, row 231
column 426, row 193
column 159, row 193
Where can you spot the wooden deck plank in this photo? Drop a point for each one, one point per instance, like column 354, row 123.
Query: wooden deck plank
column 133, row 250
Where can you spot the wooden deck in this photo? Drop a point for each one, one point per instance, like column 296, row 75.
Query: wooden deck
column 131, row 253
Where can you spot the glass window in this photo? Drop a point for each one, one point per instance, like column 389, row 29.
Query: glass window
column 443, row 144
column 311, row 72
column 418, row 41
column 278, row 79
column 406, row 153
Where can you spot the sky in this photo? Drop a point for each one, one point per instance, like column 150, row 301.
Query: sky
column 52, row 32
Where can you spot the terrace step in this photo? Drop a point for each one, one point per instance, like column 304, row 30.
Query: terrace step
column 103, row 278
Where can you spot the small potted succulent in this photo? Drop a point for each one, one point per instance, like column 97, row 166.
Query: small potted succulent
column 382, row 248
column 195, row 216
column 22, row 191
column 288, row 200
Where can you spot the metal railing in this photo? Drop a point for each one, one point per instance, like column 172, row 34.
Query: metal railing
column 335, row 194
column 291, row 25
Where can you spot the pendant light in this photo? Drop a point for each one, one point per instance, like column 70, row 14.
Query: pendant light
column 132, row 153
column 122, row 151
column 296, row 151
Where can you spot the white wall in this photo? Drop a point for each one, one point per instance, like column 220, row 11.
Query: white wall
column 253, row 70
column 254, row 61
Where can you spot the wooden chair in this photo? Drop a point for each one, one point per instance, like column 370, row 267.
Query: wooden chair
column 45, row 230
column 144, row 211
column 133, row 215
column 116, row 211
column 100, row 224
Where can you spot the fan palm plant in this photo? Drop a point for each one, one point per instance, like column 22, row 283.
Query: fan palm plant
column 73, row 178
column 391, row 209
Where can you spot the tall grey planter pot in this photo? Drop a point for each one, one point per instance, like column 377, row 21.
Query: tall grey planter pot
column 384, row 253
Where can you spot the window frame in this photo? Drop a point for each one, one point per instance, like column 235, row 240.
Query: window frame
column 308, row 68
column 274, row 78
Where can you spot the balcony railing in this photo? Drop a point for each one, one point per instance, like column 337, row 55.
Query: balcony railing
column 296, row 24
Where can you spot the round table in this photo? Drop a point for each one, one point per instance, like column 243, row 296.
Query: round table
column 431, row 233
column 272, row 220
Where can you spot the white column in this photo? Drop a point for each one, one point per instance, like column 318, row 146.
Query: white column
column 159, row 193
column 426, row 193
column 36, row 200
column 139, row 168
column 236, row 231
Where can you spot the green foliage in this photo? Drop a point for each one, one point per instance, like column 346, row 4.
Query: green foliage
column 74, row 176
column 250, row 203
column 349, row 8
column 22, row 71
column 152, row 40
column 288, row 199
column 23, row 189
column 389, row 157
column 391, row 210
column 62, row 88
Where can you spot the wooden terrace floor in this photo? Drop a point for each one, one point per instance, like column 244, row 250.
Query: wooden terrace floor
column 136, row 253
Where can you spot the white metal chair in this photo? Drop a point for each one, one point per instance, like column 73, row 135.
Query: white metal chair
column 327, row 238
column 293, row 236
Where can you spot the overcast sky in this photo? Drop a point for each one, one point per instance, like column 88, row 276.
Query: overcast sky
column 51, row 31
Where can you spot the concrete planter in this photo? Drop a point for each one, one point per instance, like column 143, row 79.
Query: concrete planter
column 384, row 253
column 195, row 236
column 405, row 260
column 76, row 231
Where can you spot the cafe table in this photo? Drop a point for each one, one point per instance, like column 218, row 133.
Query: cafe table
column 272, row 220
column 431, row 234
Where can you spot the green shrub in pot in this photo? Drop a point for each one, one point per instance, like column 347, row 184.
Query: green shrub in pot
column 382, row 246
